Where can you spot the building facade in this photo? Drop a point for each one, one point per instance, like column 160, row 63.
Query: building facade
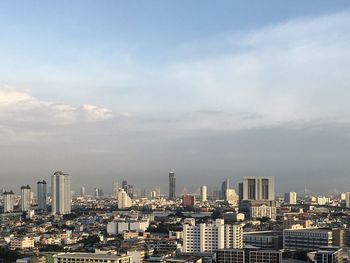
column 42, row 195
column 61, row 193
column 172, row 186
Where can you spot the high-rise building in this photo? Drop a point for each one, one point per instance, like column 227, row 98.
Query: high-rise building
column 188, row 200
column 231, row 197
column 61, row 193
column 41, row 195
column 224, row 187
column 172, row 186
column 124, row 201
column 115, row 189
column 25, row 198
column 203, row 193
column 347, row 199
column 259, row 188
column 125, row 185
column 211, row 237
column 290, row 198
column 82, row 191
column 8, row 201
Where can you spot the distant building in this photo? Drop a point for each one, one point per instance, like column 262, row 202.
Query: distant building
column 259, row 188
column 42, row 195
column 347, row 199
column 203, row 193
column 211, row 236
column 21, row 243
column 188, row 200
column 82, row 191
column 290, row 198
column 225, row 185
column 231, row 197
column 124, row 201
column 90, row 257
column 254, row 255
column 267, row 240
column 119, row 227
column 8, row 201
column 172, row 186
column 61, row 193
column 25, row 198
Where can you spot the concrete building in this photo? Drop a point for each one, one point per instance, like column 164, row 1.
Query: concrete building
column 267, row 240
column 232, row 197
column 172, row 186
column 91, row 257
column 124, row 201
column 188, row 200
column 42, row 195
column 307, row 238
column 264, row 256
column 8, row 201
column 290, row 198
column 263, row 211
column 21, row 243
column 25, row 198
column 329, row 255
column 347, row 199
column 258, row 188
column 211, row 237
column 225, row 185
column 61, row 193
column 118, row 227
column 203, row 193
column 253, row 255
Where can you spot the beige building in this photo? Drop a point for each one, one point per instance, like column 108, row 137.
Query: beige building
column 91, row 257
column 22, row 243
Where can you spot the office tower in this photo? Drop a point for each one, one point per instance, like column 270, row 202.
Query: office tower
column 2, row 191
column 203, row 193
column 224, row 186
column 25, row 198
column 125, row 185
column 61, row 193
column 82, row 191
column 211, row 237
column 124, row 201
column 130, row 190
column 8, row 201
column 259, row 188
column 115, row 189
column 172, row 186
column 290, row 198
column 41, row 195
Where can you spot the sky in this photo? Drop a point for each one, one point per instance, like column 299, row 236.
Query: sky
column 113, row 90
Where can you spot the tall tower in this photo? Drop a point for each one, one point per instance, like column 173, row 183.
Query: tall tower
column 60, row 193
column 124, row 201
column 224, row 187
column 8, row 201
column 203, row 193
column 172, row 186
column 25, row 198
column 41, row 195
column 82, row 191
column 259, row 188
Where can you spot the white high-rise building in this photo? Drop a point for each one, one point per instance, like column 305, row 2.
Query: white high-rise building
column 203, row 193
column 347, row 199
column 61, row 193
column 259, row 188
column 82, row 191
column 42, row 195
column 25, row 198
column 8, row 201
column 211, row 237
column 290, row 198
column 231, row 197
column 124, row 201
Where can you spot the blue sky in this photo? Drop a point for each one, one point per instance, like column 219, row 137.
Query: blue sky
column 132, row 89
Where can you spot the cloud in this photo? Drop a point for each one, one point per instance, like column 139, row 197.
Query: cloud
column 20, row 107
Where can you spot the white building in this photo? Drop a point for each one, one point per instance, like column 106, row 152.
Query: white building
column 42, row 195
column 290, row 198
column 211, row 237
column 263, row 211
column 61, row 193
column 347, row 199
column 118, row 227
column 231, row 197
column 203, row 193
column 25, row 198
column 8, row 201
column 124, row 201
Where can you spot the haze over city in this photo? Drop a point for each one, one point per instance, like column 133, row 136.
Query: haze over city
column 129, row 90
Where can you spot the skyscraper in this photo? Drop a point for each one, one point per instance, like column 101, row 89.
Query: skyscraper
column 25, row 198
column 41, row 195
column 172, row 186
column 8, row 201
column 224, row 187
column 124, row 201
column 203, row 193
column 125, row 185
column 290, row 198
column 61, row 193
column 82, row 191
column 259, row 188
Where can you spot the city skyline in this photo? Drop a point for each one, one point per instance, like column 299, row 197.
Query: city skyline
column 118, row 91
